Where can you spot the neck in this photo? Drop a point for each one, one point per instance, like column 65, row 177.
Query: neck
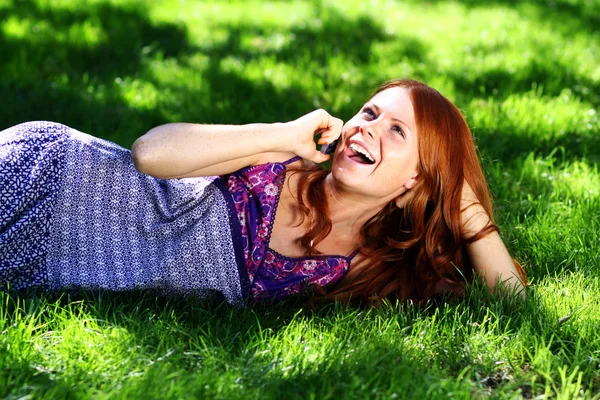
column 348, row 212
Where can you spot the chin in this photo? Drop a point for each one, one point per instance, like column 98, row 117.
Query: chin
column 348, row 180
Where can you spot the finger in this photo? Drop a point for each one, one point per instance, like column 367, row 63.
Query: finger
column 323, row 119
column 336, row 128
column 330, row 138
column 328, row 124
column 321, row 131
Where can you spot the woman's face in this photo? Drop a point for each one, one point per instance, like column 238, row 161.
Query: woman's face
column 385, row 128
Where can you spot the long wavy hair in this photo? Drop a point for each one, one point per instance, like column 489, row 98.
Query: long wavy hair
column 416, row 252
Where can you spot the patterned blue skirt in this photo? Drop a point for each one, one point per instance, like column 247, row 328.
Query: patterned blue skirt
column 75, row 213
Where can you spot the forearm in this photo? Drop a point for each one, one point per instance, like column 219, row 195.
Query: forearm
column 489, row 256
column 178, row 149
column 493, row 263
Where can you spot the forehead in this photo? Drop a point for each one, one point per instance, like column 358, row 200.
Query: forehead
column 397, row 103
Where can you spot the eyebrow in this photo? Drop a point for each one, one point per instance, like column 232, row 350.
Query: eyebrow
column 393, row 118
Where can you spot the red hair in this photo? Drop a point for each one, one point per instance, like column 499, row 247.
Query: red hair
column 416, row 252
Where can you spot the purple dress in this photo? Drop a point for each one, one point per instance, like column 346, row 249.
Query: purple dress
column 75, row 213
column 272, row 275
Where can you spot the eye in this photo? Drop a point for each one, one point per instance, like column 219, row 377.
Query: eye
column 369, row 112
column 396, row 128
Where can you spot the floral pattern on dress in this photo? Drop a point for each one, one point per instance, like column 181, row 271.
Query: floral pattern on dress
column 255, row 192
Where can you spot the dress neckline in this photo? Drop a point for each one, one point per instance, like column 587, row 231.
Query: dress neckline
column 305, row 258
column 279, row 185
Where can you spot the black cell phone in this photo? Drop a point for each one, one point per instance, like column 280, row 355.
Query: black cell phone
column 328, row 148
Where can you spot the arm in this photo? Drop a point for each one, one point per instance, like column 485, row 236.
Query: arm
column 184, row 150
column 489, row 256
column 493, row 263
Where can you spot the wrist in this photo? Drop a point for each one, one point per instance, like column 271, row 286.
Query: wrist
column 269, row 137
column 287, row 139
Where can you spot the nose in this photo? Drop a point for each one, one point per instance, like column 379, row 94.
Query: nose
column 366, row 128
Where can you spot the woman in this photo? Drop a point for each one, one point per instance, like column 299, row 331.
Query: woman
column 404, row 211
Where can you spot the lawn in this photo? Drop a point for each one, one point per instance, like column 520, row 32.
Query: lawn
column 525, row 74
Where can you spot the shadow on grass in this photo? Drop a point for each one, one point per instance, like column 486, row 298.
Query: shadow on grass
column 53, row 75
column 352, row 366
column 369, row 367
column 546, row 70
column 507, row 145
column 124, row 34
column 318, row 41
column 50, row 72
column 551, row 76
column 309, row 46
column 574, row 14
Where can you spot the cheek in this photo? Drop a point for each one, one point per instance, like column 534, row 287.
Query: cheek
column 400, row 158
column 401, row 153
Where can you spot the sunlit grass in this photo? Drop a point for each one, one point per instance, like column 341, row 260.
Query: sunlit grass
column 526, row 75
column 116, row 345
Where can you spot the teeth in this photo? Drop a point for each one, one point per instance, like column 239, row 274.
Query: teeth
column 361, row 150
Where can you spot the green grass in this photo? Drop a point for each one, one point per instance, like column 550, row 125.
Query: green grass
column 526, row 75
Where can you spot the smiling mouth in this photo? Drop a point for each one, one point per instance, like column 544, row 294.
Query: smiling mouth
column 358, row 154
column 359, row 157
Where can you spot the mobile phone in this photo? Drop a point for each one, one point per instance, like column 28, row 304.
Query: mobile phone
column 329, row 148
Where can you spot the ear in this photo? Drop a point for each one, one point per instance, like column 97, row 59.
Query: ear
column 411, row 182
column 402, row 200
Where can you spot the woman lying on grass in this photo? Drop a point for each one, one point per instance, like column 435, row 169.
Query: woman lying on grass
column 404, row 213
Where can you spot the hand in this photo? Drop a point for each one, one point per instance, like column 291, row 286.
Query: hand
column 304, row 129
column 473, row 216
